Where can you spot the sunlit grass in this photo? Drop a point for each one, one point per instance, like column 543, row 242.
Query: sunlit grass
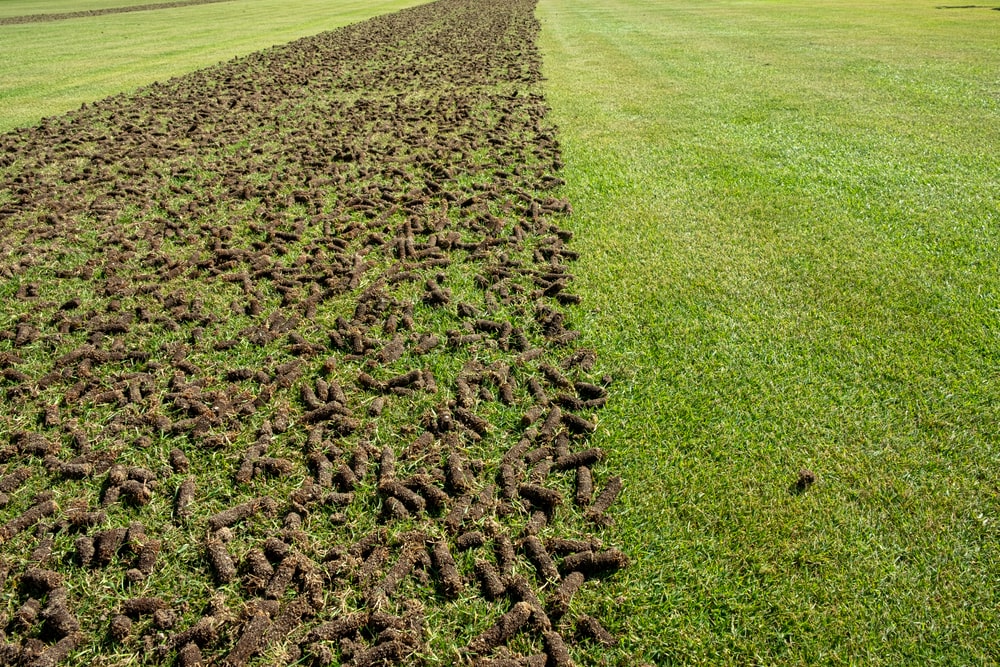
column 53, row 67
column 787, row 216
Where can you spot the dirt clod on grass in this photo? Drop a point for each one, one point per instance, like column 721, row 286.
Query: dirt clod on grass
column 805, row 479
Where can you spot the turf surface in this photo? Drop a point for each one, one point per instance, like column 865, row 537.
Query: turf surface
column 787, row 212
column 53, row 67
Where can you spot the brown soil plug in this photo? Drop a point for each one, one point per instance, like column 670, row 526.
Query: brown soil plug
column 537, row 554
column 189, row 656
column 164, row 619
column 32, row 516
column 258, row 569
column 560, row 545
column 457, row 514
column 544, row 497
column 533, row 414
column 578, row 424
column 556, row 649
column 506, row 557
column 588, row 391
column 136, row 607
column 276, row 549
column 584, row 486
column 178, row 461
column 558, row 603
column 592, row 563
column 489, row 580
column 366, row 544
column 392, row 509
column 470, row 540
column 553, row 375
column 106, row 545
column 59, row 620
column 805, row 479
column 596, row 513
column 221, row 561
column 412, row 378
column 412, row 553
column 84, row 550
column 121, row 627
column 251, row 640
column 146, row 561
column 445, row 564
column 387, row 466
column 539, row 454
column 233, row 515
column 344, row 478
column 414, row 502
column 436, row 498
column 27, row 614
column 483, row 504
column 56, row 653
column 15, row 479
column 458, row 478
column 520, row 589
column 508, row 481
column 588, row 627
column 185, row 494
column 136, row 492
column 585, row 458
column 386, row 653
column 547, row 431
column 473, row 421
column 339, row 627
column 41, row 553
column 503, row 630
column 359, row 462
column 282, row 578
column 204, row 632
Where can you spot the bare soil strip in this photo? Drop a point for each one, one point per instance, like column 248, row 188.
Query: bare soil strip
column 294, row 328
column 62, row 16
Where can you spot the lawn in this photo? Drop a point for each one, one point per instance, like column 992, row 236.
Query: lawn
column 787, row 214
column 53, row 67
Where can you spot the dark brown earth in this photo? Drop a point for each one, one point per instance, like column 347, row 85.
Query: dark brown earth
column 287, row 366
column 62, row 16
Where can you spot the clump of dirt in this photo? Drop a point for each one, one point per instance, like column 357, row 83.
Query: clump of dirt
column 804, row 481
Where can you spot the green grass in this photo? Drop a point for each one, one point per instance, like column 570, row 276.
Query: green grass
column 787, row 214
column 50, row 68
column 32, row 7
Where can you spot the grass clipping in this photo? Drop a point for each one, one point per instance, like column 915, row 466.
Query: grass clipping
column 286, row 362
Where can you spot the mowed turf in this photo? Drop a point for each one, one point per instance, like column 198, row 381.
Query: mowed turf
column 52, row 67
column 203, row 226
column 787, row 215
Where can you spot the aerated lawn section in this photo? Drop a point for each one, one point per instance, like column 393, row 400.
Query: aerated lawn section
column 287, row 369
column 788, row 214
column 52, row 67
